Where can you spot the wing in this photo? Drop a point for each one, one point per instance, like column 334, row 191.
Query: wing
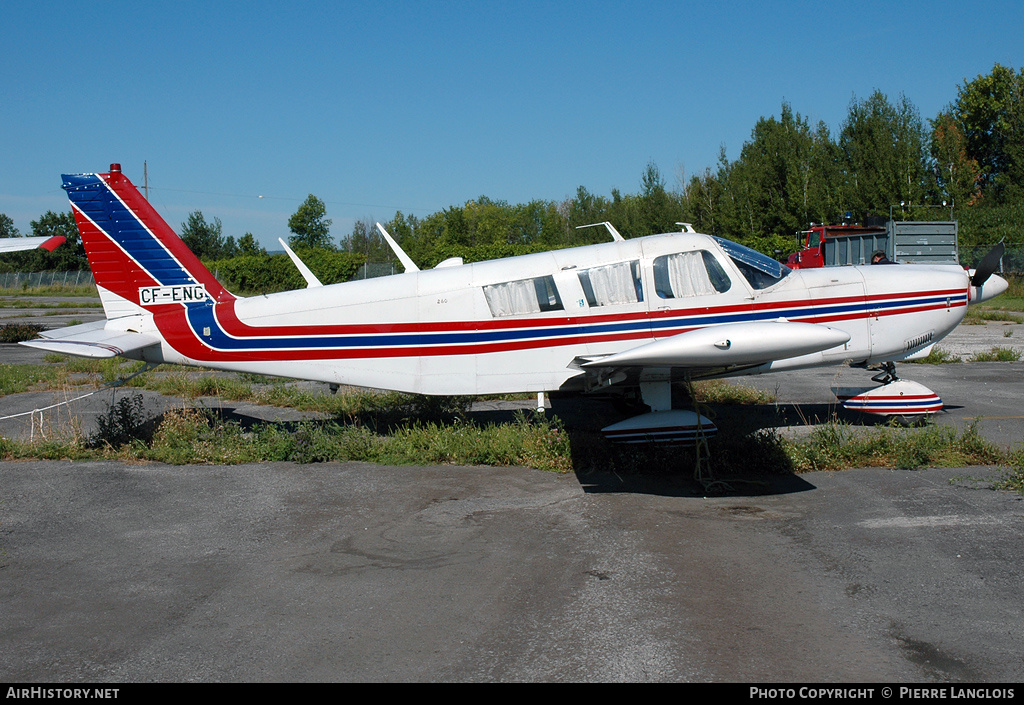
column 92, row 340
column 14, row 244
column 731, row 345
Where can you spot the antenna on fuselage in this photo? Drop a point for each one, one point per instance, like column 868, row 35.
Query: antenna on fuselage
column 611, row 229
column 311, row 280
column 405, row 259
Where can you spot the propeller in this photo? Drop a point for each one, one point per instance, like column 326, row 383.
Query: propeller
column 988, row 265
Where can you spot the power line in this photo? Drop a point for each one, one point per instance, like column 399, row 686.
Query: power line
column 283, row 198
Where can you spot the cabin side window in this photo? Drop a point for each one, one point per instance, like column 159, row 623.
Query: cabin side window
column 612, row 284
column 522, row 297
column 689, row 274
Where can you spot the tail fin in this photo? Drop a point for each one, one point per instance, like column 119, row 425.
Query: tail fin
column 135, row 256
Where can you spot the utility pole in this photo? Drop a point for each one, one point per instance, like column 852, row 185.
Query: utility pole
column 145, row 178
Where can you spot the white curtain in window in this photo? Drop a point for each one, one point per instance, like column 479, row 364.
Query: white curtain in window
column 613, row 284
column 512, row 298
column 688, row 275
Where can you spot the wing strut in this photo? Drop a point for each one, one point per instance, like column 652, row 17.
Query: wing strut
column 611, row 229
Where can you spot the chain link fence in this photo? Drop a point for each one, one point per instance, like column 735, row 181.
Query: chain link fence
column 1012, row 262
column 375, row 269
column 21, row 280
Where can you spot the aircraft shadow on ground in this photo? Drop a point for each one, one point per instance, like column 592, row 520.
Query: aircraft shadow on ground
column 738, row 461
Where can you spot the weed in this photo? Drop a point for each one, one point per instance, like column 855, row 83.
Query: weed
column 762, row 453
column 393, row 409
column 197, row 435
column 21, row 378
column 720, row 391
column 125, row 421
column 997, row 355
column 937, row 356
column 18, row 332
column 1013, row 477
column 837, row 446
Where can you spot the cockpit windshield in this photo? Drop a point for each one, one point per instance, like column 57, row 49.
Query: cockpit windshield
column 760, row 270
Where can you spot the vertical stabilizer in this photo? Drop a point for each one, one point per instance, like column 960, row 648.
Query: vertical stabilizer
column 137, row 259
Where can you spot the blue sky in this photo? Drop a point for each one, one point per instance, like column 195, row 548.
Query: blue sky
column 416, row 106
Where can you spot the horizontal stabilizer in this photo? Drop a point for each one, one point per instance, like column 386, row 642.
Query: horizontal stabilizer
column 92, row 340
column 752, row 343
column 14, row 244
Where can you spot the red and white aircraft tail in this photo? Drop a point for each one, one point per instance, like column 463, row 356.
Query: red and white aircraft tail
column 140, row 265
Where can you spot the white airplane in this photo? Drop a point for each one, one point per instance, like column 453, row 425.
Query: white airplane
column 626, row 317
column 14, row 244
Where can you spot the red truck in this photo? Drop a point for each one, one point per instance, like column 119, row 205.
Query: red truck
column 899, row 241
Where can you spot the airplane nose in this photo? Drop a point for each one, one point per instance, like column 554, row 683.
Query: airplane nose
column 993, row 287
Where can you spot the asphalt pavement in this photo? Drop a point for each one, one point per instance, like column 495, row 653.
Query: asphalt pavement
column 352, row 572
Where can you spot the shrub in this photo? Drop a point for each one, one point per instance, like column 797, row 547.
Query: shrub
column 18, row 332
column 124, row 422
column 265, row 274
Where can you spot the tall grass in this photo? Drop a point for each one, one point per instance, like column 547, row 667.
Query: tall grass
column 55, row 290
column 838, row 446
column 997, row 354
column 22, row 378
column 1010, row 300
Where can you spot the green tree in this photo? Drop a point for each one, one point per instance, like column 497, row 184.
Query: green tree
column 957, row 174
column 206, row 240
column 884, row 156
column 585, row 209
column 7, row 228
column 990, row 112
column 366, row 240
column 659, row 211
column 71, row 255
column 702, row 198
column 310, row 225
column 247, row 245
column 781, row 180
